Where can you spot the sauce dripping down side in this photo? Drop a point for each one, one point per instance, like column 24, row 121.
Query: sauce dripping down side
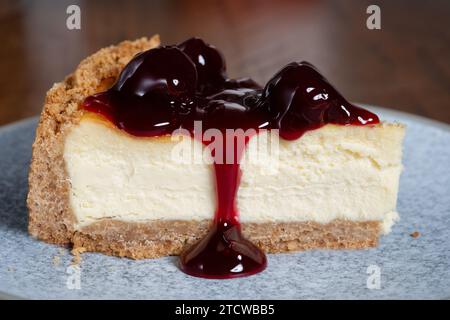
column 170, row 87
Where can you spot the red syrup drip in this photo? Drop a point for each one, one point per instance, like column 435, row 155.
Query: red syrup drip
column 224, row 252
column 167, row 88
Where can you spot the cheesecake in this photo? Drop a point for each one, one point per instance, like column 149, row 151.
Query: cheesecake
column 137, row 155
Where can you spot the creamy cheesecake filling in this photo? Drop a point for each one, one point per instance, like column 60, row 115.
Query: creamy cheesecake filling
column 335, row 172
column 118, row 176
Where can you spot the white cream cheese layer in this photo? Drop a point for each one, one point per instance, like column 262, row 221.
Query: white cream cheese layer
column 336, row 172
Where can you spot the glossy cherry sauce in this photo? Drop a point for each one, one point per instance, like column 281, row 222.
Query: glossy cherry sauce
column 170, row 87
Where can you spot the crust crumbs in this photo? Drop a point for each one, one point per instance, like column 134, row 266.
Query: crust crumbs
column 415, row 234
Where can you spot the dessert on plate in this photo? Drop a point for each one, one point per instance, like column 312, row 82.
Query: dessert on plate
column 104, row 177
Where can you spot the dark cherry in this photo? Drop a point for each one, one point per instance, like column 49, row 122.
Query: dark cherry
column 209, row 62
column 299, row 98
column 167, row 88
column 172, row 73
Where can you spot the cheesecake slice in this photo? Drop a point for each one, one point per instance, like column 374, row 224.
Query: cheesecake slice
column 97, row 185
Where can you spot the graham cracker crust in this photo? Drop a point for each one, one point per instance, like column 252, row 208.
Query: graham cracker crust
column 52, row 220
column 161, row 238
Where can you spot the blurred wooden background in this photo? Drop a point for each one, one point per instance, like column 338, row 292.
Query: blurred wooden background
column 405, row 65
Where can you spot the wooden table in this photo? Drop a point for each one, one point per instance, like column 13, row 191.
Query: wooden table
column 405, row 65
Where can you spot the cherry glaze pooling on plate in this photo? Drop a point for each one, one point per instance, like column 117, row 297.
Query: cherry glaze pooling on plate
column 170, row 87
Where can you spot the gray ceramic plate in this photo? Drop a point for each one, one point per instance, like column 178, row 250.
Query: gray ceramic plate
column 406, row 267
